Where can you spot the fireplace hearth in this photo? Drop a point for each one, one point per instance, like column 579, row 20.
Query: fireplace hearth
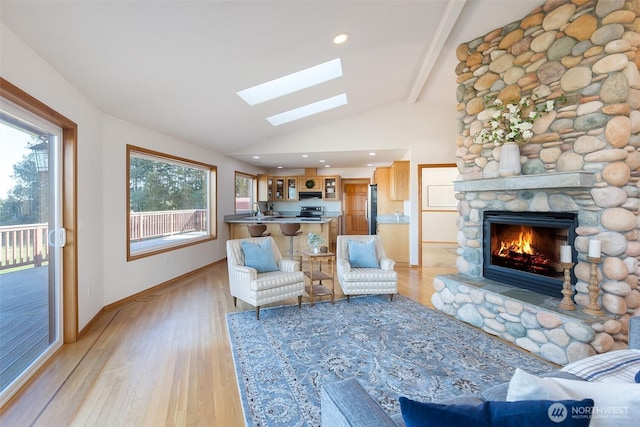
column 522, row 249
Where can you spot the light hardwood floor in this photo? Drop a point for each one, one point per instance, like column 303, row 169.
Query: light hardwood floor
column 162, row 360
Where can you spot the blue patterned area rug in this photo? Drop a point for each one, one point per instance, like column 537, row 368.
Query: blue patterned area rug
column 398, row 348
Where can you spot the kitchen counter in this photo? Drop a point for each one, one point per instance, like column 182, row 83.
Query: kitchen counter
column 391, row 219
column 276, row 219
column 238, row 230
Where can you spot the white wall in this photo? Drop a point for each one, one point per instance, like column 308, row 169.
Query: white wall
column 436, row 146
column 123, row 278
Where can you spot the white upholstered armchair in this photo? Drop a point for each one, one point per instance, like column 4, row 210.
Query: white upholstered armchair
column 259, row 275
column 363, row 267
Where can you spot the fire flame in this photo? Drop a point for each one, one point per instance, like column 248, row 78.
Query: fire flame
column 521, row 245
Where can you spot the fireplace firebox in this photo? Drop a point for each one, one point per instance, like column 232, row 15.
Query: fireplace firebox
column 523, row 249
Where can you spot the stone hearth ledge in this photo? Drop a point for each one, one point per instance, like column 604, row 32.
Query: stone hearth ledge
column 530, row 320
column 529, row 182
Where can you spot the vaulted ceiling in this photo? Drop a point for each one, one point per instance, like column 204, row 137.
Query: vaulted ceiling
column 175, row 66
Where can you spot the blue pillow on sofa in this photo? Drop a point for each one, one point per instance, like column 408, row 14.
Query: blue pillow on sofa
column 526, row 413
column 362, row 254
column 259, row 256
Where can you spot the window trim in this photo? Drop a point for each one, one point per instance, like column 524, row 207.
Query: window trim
column 254, row 189
column 212, row 203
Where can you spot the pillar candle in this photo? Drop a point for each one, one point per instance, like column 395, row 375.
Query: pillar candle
column 594, row 248
column 565, row 253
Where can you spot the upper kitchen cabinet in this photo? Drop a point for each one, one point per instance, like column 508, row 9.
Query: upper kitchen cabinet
column 292, row 188
column 399, row 180
column 386, row 206
column 279, row 188
column 331, row 188
column 310, row 183
column 265, row 188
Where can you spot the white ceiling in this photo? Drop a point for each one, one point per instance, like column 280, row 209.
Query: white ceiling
column 175, row 66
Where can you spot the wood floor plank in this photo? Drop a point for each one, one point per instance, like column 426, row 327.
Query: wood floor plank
column 162, row 360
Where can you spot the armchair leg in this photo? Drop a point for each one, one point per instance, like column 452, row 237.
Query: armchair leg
column 257, row 312
column 390, row 297
column 348, row 298
column 235, row 301
column 299, row 301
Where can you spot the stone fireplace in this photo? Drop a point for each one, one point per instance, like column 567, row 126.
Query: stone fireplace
column 582, row 166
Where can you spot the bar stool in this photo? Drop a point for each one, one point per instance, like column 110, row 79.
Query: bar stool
column 290, row 229
column 257, row 230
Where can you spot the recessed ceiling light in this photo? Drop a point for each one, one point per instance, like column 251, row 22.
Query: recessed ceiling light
column 327, row 166
column 292, row 82
column 256, row 157
column 322, row 161
column 308, row 110
column 369, row 164
column 372, row 154
column 305, row 155
column 340, row 38
column 280, row 167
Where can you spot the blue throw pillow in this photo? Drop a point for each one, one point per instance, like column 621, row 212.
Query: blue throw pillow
column 638, row 377
column 526, row 413
column 362, row 254
column 259, row 256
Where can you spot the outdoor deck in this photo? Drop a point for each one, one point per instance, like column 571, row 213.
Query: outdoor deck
column 24, row 325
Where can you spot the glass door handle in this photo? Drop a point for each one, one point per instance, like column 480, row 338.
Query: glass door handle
column 58, row 237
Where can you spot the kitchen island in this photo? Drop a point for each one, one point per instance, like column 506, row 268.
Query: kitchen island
column 238, row 230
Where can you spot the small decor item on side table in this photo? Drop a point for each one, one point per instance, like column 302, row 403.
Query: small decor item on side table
column 511, row 125
column 314, row 240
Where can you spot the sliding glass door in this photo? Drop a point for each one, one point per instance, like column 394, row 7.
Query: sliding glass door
column 32, row 237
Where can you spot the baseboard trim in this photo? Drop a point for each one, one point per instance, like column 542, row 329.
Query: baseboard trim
column 154, row 289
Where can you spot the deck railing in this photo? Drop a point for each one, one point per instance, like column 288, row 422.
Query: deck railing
column 23, row 245
column 149, row 225
column 27, row 244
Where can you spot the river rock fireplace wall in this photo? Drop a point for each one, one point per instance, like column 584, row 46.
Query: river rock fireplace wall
column 582, row 160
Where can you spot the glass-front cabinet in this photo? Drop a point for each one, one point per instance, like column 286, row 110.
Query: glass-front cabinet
column 279, row 188
column 330, row 188
column 292, row 188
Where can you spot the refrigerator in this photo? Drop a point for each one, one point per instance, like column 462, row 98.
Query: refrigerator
column 371, row 212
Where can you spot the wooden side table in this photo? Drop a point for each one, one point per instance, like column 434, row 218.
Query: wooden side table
column 316, row 273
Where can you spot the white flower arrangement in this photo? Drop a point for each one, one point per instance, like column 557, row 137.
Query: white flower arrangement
column 314, row 239
column 512, row 122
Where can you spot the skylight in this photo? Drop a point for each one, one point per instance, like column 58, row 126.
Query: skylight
column 308, row 110
column 292, row 82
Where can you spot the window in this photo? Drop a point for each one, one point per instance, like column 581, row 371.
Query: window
column 245, row 192
column 170, row 202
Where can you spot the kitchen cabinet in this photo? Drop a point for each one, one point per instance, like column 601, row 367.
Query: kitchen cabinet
column 310, row 183
column 386, row 206
column 239, row 230
column 399, row 180
column 265, row 188
column 292, row 188
column 395, row 240
column 334, row 230
column 279, row 188
column 331, row 188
